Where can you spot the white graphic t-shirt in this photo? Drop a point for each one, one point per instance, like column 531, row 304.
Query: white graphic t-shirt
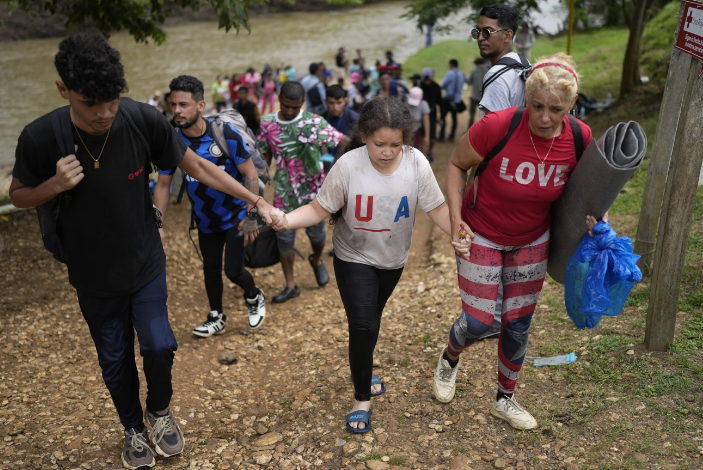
column 378, row 211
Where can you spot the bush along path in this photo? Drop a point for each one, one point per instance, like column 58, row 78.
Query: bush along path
column 281, row 401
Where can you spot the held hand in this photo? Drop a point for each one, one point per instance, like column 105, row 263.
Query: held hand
column 282, row 223
column 69, row 173
column 250, row 229
column 462, row 236
column 591, row 222
column 266, row 211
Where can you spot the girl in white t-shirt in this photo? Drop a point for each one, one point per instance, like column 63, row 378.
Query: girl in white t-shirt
column 372, row 193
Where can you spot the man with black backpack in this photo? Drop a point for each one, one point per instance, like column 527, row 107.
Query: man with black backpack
column 218, row 216
column 89, row 162
column 504, row 83
column 314, row 86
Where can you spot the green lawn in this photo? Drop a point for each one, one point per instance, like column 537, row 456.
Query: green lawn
column 598, row 55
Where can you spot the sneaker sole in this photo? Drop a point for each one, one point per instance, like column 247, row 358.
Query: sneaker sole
column 207, row 335
column 438, row 398
column 499, row 416
column 132, row 467
column 164, row 454
column 257, row 326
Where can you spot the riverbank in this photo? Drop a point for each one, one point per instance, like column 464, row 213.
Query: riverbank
column 17, row 25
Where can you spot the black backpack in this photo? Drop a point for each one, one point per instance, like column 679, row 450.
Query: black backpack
column 314, row 96
column 514, row 122
column 523, row 66
column 48, row 213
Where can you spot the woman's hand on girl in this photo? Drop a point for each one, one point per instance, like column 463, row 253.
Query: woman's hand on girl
column 462, row 236
column 591, row 222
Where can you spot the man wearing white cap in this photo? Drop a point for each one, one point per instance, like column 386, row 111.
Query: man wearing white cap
column 432, row 93
column 420, row 111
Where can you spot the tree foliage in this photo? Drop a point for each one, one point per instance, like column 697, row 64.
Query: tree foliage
column 434, row 11
column 143, row 19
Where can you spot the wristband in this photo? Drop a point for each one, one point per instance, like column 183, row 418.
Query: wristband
column 254, row 206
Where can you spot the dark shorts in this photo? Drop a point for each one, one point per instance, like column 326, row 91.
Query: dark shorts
column 316, row 233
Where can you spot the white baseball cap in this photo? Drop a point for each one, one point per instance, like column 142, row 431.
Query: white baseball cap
column 415, row 96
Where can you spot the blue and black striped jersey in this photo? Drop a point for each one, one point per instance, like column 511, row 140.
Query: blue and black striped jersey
column 215, row 211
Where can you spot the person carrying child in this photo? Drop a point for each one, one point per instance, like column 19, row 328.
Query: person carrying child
column 372, row 193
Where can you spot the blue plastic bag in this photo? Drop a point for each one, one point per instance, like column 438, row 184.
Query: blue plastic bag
column 600, row 276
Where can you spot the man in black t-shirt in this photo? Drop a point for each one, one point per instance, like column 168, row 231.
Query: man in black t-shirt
column 432, row 93
column 107, row 228
column 248, row 110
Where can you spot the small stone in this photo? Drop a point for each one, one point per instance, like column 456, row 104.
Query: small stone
column 488, row 457
column 351, row 448
column 340, row 443
column 460, row 462
column 382, row 438
column 385, row 458
column 499, row 463
column 245, row 332
column 377, row 465
column 630, row 352
column 260, row 347
column 690, row 398
column 639, row 456
column 571, row 466
column 421, row 288
column 262, row 458
column 448, row 423
column 228, row 358
column 268, row 439
column 261, row 429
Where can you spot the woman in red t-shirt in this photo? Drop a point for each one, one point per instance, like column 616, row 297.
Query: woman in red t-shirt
column 508, row 224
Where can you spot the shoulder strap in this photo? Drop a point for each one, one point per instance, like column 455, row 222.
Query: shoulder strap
column 348, row 117
column 578, row 136
column 61, row 124
column 219, row 136
column 514, row 122
column 509, row 64
column 135, row 119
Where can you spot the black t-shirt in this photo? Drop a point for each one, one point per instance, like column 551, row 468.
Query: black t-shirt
column 340, row 59
column 111, row 243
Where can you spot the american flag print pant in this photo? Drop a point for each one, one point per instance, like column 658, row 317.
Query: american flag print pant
column 522, row 270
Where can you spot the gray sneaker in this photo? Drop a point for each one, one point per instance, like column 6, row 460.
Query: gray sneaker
column 165, row 434
column 136, row 453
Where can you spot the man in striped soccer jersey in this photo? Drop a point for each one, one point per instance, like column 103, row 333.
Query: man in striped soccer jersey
column 218, row 216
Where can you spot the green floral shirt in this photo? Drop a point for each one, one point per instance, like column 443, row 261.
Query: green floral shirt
column 296, row 147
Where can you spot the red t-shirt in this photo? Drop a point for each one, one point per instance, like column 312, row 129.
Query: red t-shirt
column 515, row 195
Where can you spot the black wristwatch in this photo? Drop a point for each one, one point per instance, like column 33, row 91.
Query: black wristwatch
column 251, row 215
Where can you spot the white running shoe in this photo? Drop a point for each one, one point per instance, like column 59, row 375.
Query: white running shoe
column 511, row 411
column 257, row 310
column 444, row 384
column 214, row 325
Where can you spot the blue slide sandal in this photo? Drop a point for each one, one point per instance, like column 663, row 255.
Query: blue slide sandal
column 359, row 415
column 375, row 380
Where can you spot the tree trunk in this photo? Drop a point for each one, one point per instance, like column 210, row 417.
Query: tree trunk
column 630, row 67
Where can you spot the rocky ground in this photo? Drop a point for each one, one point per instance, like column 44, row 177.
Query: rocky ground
column 282, row 401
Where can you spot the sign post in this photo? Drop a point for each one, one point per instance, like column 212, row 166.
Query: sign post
column 681, row 182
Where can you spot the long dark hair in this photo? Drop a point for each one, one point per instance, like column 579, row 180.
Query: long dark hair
column 378, row 112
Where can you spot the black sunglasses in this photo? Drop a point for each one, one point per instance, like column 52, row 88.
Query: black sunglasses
column 485, row 32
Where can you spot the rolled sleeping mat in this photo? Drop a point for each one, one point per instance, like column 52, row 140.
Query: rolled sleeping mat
column 602, row 171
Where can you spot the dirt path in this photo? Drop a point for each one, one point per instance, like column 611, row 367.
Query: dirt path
column 283, row 404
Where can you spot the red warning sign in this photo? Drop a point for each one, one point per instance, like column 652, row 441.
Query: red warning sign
column 690, row 36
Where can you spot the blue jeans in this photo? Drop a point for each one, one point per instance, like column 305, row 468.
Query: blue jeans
column 112, row 322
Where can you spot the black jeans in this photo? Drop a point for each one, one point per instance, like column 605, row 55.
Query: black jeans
column 112, row 322
column 212, row 245
column 364, row 290
column 449, row 107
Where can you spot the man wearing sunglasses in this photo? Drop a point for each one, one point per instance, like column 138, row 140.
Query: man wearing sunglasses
column 502, row 89
column 495, row 31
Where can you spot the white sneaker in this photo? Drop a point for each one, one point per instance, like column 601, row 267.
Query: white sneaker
column 443, row 385
column 511, row 411
column 214, row 325
column 257, row 310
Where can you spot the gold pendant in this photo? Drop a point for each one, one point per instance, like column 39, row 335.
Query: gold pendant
column 541, row 165
column 97, row 165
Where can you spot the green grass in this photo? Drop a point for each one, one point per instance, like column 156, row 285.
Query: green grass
column 598, row 55
column 397, row 460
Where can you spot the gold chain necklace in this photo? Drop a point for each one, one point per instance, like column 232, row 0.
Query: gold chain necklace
column 541, row 162
column 96, row 160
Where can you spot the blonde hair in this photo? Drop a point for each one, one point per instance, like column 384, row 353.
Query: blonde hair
column 553, row 78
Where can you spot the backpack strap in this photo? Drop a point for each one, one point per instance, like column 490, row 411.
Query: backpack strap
column 514, row 122
column 578, row 136
column 135, row 119
column 219, row 136
column 509, row 64
column 63, row 131
column 182, row 189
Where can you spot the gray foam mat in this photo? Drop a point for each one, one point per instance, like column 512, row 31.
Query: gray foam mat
column 604, row 168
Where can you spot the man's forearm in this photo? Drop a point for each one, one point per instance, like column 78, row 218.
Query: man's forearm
column 26, row 196
column 211, row 175
column 161, row 198
column 251, row 183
